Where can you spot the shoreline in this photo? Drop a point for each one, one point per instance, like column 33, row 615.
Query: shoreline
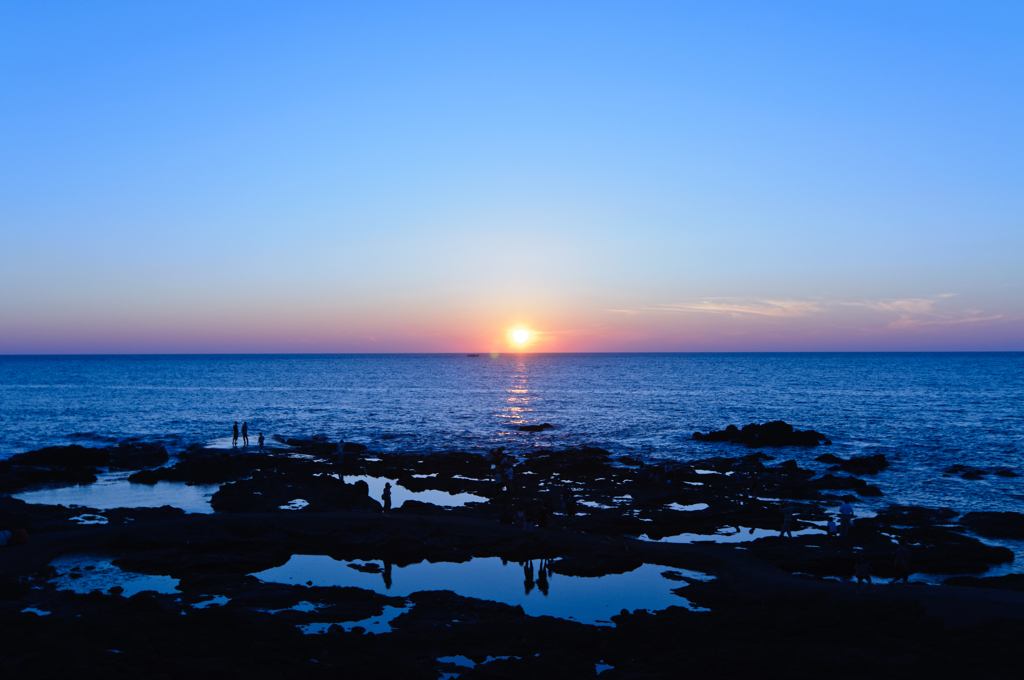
column 213, row 555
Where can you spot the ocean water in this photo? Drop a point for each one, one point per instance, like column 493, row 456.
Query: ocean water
column 924, row 411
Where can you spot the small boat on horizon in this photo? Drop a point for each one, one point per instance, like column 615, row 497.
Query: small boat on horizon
column 472, row 355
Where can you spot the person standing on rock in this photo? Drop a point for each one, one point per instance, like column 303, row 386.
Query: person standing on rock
column 386, row 497
column 245, row 433
column 902, row 564
column 234, row 435
column 845, row 518
column 787, row 522
column 863, row 573
column 260, row 442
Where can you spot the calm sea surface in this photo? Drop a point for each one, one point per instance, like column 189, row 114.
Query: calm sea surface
column 923, row 411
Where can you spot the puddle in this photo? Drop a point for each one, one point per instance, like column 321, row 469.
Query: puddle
column 86, row 573
column 113, row 490
column 594, row 504
column 297, row 504
column 601, row 668
column 300, row 607
column 89, row 519
column 218, row 601
column 539, row 591
column 375, row 624
column 466, row 662
column 687, row 508
column 33, row 610
column 730, row 535
column 399, row 494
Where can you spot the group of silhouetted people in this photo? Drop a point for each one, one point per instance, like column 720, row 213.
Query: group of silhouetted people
column 245, row 436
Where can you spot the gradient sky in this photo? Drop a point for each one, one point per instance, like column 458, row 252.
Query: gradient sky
column 424, row 176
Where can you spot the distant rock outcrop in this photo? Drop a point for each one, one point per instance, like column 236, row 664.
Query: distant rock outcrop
column 856, row 465
column 775, row 433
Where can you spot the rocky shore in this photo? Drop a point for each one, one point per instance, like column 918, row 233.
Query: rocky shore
column 770, row 606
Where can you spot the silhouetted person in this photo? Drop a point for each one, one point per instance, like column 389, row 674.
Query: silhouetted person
column 787, row 522
column 245, row 433
column 570, row 504
column 386, row 497
column 234, row 435
column 845, row 518
column 260, row 442
column 863, row 573
column 20, row 537
column 387, row 576
column 541, row 516
column 902, row 564
column 529, row 518
column 831, row 527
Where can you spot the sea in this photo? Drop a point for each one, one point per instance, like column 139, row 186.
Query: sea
column 924, row 411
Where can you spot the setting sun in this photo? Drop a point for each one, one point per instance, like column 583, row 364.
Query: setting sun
column 520, row 336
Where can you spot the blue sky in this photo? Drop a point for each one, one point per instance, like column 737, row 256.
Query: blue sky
column 215, row 176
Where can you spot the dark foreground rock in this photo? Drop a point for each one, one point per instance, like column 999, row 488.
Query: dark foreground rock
column 771, row 615
column 75, row 464
column 1006, row 582
column 995, row 524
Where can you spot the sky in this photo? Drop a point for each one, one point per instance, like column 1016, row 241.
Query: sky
column 207, row 177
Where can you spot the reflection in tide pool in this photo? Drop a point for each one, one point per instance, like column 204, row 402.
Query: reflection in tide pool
column 539, row 591
column 113, row 490
column 399, row 494
column 86, row 573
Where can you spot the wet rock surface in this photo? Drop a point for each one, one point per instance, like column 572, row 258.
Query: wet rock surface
column 585, row 506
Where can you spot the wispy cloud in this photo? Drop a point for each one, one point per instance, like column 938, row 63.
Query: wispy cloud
column 939, row 310
column 742, row 307
column 922, row 312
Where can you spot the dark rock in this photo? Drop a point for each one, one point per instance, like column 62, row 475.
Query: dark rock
column 535, row 428
column 1006, row 473
column 14, row 477
column 832, row 482
column 828, row 458
column 133, row 456
column 352, row 447
column 914, row 515
column 775, row 433
column 63, row 456
column 1006, row 582
column 863, row 465
column 995, row 524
